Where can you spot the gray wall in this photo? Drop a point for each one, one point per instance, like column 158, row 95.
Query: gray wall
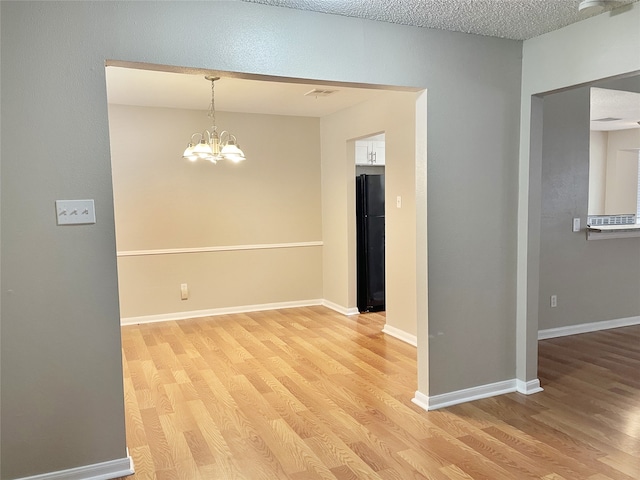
column 472, row 173
column 62, row 402
column 594, row 280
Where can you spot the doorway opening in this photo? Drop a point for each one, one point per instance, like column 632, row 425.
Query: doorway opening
column 279, row 231
column 370, row 223
column 568, row 153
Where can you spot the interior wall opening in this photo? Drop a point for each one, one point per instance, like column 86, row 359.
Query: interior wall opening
column 580, row 285
column 371, row 204
column 227, row 208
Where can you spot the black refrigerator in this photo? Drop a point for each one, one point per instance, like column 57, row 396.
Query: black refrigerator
column 370, row 242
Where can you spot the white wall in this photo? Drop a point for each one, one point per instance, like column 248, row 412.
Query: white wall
column 622, row 171
column 597, row 172
column 613, row 171
column 599, row 47
column 164, row 202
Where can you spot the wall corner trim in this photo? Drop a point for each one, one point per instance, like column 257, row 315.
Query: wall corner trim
column 97, row 471
column 400, row 335
column 528, row 388
column 339, row 308
column 587, row 327
column 421, row 400
column 462, row 396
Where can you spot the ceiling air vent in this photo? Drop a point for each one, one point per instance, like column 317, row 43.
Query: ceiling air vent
column 319, row 92
column 607, row 119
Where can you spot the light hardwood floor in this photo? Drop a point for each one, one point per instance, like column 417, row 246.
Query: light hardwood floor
column 306, row 394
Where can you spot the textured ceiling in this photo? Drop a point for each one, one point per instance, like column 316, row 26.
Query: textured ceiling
column 514, row 19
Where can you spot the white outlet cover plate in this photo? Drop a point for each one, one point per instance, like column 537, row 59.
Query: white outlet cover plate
column 75, row 212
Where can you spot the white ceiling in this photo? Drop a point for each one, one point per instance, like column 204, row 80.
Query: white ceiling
column 150, row 88
column 514, row 19
column 614, row 109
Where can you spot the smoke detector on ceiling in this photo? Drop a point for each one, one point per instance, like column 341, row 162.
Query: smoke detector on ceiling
column 592, row 5
column 319, row 92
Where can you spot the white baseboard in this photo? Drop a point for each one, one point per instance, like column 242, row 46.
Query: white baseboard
column 98, row 471
column 528, row 388
column 164, row 317
column 400, row 335
column 421, row 400
column 461, row 396
column 339, row 308
column 587, row 327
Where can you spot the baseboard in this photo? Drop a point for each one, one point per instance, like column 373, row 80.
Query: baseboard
column 587, row 327
column 421, row 400
column 165, row 317
column 339, row 308
column 97, row 471
column 528, row 388
column 400, row 335
column 462, row 396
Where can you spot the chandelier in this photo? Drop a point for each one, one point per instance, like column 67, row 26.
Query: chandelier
column 211, row 145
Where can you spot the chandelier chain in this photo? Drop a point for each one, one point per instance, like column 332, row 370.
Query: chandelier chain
column 212, row 110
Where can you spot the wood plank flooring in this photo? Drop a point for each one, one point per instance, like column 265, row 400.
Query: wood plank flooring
column 305, row 394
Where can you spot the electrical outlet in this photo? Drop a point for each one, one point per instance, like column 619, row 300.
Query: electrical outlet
column 554, row 301
column 184, row 291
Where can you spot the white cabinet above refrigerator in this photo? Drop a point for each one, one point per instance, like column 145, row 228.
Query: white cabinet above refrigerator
column 371, row 150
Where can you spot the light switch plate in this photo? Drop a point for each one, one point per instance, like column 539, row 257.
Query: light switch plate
column 75, row 212
column 576, row 224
